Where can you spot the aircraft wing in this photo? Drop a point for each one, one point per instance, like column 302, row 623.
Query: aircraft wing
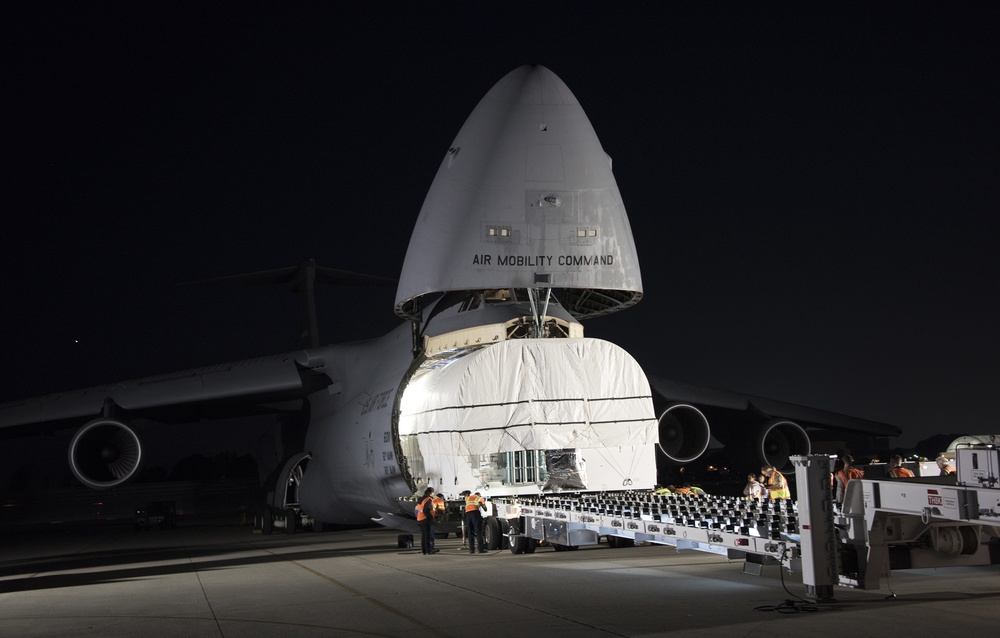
column 252, row 382
column 751, row 427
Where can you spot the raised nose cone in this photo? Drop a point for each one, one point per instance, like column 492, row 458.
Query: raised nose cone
column 525, row 198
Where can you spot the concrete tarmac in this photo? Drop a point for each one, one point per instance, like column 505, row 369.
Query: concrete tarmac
column 225, row 580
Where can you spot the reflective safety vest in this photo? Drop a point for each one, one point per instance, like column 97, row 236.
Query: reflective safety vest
column 777, row 486
column 439, row 506
column 473, row 502
column 901, row 472
column 421, row 516
column 849, row 474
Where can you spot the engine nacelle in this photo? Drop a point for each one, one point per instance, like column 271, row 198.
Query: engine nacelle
column 104, row 453
column 779, row 440
column 683, row 432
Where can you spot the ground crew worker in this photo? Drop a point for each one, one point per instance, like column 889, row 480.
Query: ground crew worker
column 846, row 474
column 695, row 490
column 425, row 518
column 474, row 503
column 777, row 485
column 437, row 510
column 896, row 469
column 754, row 491
column 942, row 462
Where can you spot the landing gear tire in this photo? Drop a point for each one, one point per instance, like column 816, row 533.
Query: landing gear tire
column 289, row 521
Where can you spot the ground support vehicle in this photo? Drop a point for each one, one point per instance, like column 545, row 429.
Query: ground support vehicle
column 161, row 514
column 767, row 531
column 883, row 524
column 922, row 522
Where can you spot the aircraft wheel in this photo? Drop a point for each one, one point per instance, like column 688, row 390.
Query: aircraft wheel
column 289, row 521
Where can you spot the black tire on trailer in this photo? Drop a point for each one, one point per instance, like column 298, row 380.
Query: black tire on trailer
column 518, row 544
column 504, row 533
column 491, row 533
column 620, row 541
column 266, row 521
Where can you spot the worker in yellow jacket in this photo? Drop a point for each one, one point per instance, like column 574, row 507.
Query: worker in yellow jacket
column 777, row 484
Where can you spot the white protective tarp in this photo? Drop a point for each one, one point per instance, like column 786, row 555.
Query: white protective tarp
column 525, row 394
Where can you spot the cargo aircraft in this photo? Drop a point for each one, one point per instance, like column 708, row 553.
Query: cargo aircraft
column 489, row 382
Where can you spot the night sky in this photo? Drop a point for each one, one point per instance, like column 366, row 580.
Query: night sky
column 813, row 194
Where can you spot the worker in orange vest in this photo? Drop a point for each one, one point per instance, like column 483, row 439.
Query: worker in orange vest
column 474, row 504
column 946, row 469
column 896, row 469
column 846, row 474
column 437, row 510
column 425, row 518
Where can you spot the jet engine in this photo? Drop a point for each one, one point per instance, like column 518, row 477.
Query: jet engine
column 684, row 432
column 104, row 453
column 779, row 440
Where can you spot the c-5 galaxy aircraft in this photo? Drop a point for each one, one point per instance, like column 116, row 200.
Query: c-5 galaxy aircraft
column 489, row 383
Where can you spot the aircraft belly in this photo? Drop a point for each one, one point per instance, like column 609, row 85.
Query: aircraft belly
column 354, row 472
column 466, row 415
